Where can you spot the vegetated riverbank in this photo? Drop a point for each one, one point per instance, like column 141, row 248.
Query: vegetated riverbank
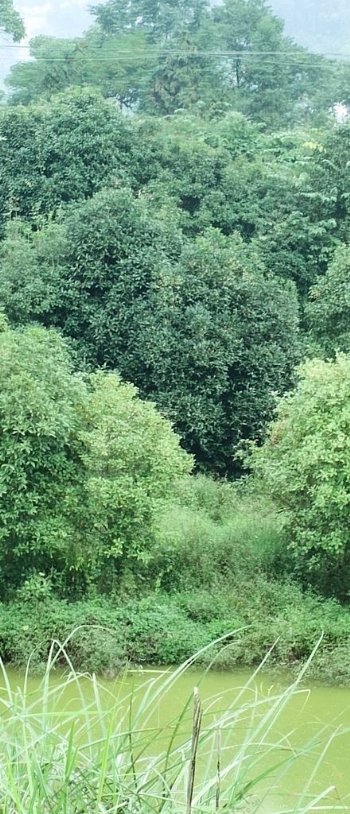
column 105, row 636
column 219, row 566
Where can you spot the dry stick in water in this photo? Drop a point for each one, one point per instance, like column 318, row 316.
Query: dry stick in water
column 196, row 728
column 218, row 768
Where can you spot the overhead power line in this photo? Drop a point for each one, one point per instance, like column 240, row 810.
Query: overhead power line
column 215, row 53
column 125, row 56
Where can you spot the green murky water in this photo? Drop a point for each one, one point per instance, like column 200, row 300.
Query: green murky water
column 314, row 721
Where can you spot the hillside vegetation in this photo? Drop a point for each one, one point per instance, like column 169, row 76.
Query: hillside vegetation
column 174, row 369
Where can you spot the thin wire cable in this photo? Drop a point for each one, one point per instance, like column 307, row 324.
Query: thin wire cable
column 292, row 59
column 214, row 53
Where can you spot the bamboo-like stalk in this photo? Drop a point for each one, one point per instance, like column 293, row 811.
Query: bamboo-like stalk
column 196, row 729
column 218, row 770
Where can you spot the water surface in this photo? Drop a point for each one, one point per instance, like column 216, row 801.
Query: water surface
column 306, row 738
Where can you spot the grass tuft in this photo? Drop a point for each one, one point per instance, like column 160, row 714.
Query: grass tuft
column 76, row 746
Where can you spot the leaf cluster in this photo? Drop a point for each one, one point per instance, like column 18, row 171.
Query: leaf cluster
column 84, row 468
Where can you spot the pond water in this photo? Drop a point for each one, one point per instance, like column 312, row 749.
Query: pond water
column 305, row 734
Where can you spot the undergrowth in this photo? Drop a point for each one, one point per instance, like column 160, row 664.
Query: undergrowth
column 220, row 564
column 163, row 629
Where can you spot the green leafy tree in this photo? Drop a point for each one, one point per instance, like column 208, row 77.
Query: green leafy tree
column 200, row 327
column 328, row 310
column 114, row 282
column 159, row 19
column 225, row 173
column 268, row 88
column 30, row 272
column 329, row 174
column 53, row 154
column 85, row 466
column 293, row 235
column 160, row 56
column 207, row 170
column 11, row 21
column 232, row 346
column 98, row 275
column 184, row 80
column 55, row 65
column 304, row 465
column 118, row 65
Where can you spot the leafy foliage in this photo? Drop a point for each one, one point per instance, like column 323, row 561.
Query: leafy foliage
column 233, row 343
column 59, row 64
column 11, row 21
column 305, row 466
column 174, row 200
column 29, row 272
column 161, row 56
column 90, row 133
column 158, row 19
column 84, row 465
column 209, row 335
column 39, row 452
column 133, row 459
column 329, row 308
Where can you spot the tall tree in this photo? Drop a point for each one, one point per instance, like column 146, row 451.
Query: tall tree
column 184, row 79
column 232, row 346
column 118, row 65
column 200, row 327
column 328, row 309
column 329, row 173
column 157, row 57
column 52, row 154
column 268, row 74
column 161, row 20
column 11, row 21
column 54, row 65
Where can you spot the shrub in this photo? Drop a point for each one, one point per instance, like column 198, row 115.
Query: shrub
column 132, row 458
column 39, row 452
column 85, row 467
column 305, row 465
column 103, row 636
column 214, row 533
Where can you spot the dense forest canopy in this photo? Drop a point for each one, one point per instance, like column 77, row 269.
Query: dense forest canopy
column 174, row 212
column 160, row 57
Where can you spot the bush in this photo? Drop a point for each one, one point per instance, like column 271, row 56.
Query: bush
column 214, row 534
column 103, row 636
column 305, row 466
column 85, row 467
column 40, row 400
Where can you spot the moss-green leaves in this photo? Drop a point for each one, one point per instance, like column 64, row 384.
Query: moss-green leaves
column 83, row 466
column 305, row 465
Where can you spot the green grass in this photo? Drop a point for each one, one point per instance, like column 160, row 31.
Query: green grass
column 215, row 532
column 104, row 753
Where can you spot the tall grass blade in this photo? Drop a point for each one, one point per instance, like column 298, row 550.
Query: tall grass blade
column 196, row 728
